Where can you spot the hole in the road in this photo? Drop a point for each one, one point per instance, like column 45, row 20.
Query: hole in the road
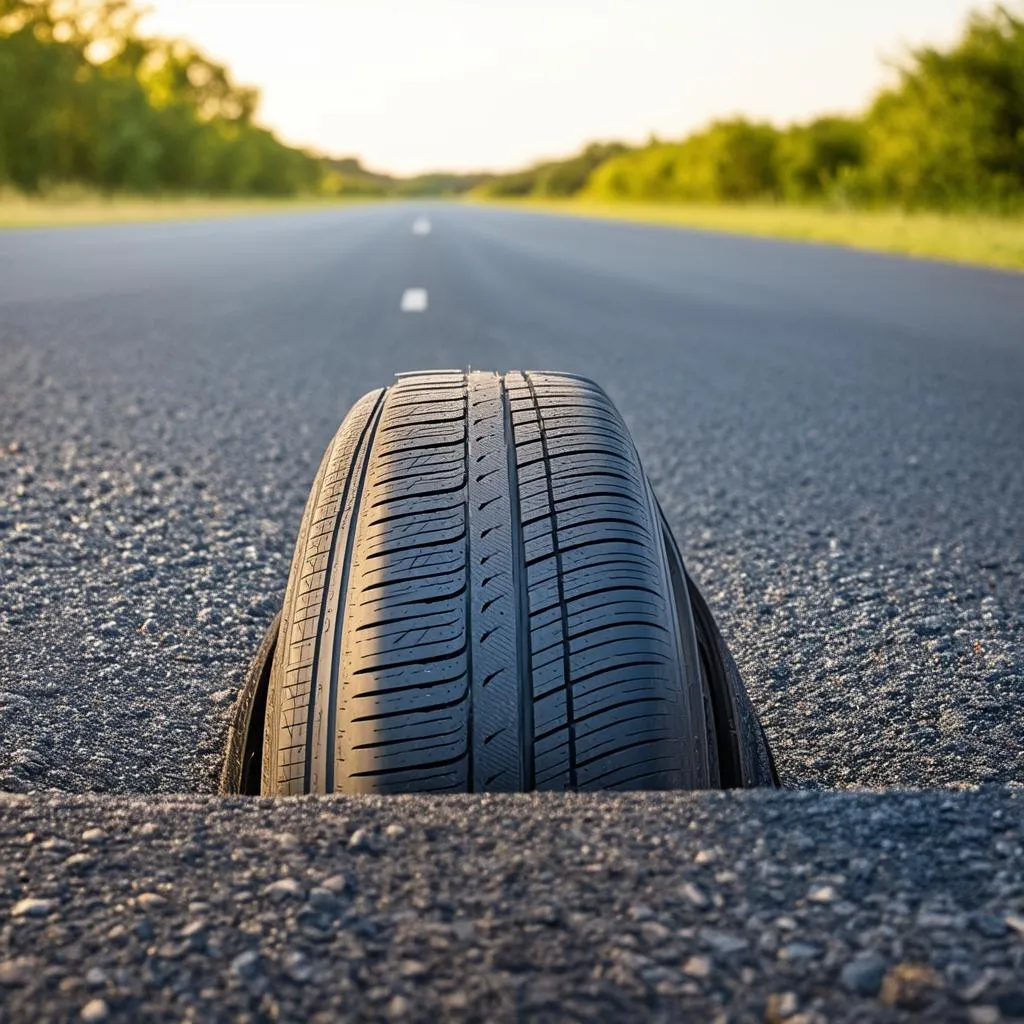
column 243, row 759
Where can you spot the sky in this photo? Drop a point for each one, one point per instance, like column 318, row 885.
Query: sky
column 415, row 85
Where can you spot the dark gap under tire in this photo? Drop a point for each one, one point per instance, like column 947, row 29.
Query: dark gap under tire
column 483, row 598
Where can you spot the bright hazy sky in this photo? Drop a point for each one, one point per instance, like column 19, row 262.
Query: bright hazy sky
column 411, row 85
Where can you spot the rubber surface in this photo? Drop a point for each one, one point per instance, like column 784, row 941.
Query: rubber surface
column 480, row 601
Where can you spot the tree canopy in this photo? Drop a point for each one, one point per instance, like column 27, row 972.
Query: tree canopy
column 949, row 133
column 87, row 98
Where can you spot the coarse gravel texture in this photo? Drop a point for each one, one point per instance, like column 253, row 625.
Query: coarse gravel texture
column 807, row 907
column 836, row 438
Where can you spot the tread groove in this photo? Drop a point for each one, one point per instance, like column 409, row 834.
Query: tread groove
column 524, row 659
column 560, row 585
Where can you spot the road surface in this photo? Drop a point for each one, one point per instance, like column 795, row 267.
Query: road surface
column 836, row 438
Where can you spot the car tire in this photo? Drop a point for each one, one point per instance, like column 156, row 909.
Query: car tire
column 484, row 598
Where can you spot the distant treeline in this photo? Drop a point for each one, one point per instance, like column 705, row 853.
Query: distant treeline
column 948, row 135
column 87, row 99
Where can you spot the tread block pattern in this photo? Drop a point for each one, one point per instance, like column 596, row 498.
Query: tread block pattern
column 605, row 666
column 480, row 601
column 404, row 712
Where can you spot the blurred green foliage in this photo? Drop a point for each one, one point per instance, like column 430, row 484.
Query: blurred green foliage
column 87, row 99
column 552, row 179
column 948, row 135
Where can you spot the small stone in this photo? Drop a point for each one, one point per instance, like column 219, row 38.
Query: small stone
column 412, row 968
column 545, row 913
column 863, row 975
column 287, row 840
column 32, row 908
column 95, row 977
column 694, row 895
column 822, row 894
column 172, row 950
column 80, row 862
column 935, row 922
column 1016, row 922
column 654, row 933
column 705, row 857
column 984, row 1015
column 17, row 972
column 398, row 1007
column 781, row 1006
column 94, row 1011
column 147, row 828
column 361, row 840
column 149, row 900
column 395, row 831
column 93, row 836
column 456, row 1001
column 246, row 965
column 721, row 942
column 640, row 912
column 337, row 884
column 282, row 889
column 321, row 898
column 297, row 966
column 697, row 967
column 794, row 951
column 909, row 986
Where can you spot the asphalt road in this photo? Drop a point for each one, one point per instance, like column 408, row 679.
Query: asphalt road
column 836, row 438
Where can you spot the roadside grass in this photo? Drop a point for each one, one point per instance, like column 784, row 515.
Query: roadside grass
column 68, row 208
column 961, row 238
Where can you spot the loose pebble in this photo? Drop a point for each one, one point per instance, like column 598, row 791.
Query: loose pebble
column 18, row 971
column 863, row 975
column 94, row 1011
column 32, row 907
column 284, row 888
column 909, row 986
column 697, row 967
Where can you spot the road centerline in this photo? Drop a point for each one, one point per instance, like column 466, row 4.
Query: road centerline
column 414, row 300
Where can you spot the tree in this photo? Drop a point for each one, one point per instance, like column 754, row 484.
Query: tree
column 811, row 160
column 952, row 132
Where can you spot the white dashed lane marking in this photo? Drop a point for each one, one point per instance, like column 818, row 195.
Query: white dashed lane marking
column 414, row 300
column 421, row 226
